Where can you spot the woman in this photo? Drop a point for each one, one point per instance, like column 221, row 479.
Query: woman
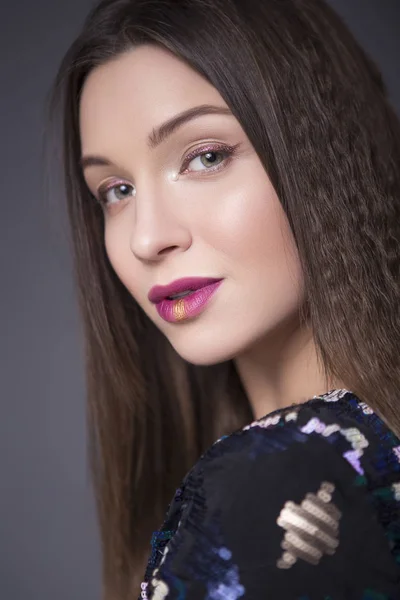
column 249, row 146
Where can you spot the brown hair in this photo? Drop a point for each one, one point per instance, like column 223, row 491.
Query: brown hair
column 315, row 108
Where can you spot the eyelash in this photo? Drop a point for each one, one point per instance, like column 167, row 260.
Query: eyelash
column 229, row 151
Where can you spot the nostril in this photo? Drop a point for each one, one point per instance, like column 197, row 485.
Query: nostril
column 166, row 250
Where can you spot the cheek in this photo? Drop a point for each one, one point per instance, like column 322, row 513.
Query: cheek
column 247, row 225
column 253, row 235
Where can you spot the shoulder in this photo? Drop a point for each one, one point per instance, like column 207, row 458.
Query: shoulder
column 334, row 442
column 294, row 491
column 331, row 431
column 283, row 507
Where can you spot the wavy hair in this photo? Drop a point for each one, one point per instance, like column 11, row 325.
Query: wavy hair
column 315, row 108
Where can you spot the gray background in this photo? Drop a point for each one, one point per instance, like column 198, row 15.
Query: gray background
column 49, row 546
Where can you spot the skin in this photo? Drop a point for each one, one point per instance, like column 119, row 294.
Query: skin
column 167, row 224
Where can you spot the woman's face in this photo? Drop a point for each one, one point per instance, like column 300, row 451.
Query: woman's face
column 196, row 204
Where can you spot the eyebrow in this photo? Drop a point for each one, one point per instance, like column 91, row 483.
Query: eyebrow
column 161, row 133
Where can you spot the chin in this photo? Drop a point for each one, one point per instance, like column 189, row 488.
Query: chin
column 204, row 354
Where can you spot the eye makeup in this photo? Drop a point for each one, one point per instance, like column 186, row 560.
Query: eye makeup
column 228, row 151
column 209, row 148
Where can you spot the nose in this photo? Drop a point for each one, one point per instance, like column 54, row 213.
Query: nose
column 158, row 230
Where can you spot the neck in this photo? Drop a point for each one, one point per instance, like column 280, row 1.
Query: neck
column 282, row 369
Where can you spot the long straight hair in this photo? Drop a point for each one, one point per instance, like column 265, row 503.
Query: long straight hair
column 315, row 108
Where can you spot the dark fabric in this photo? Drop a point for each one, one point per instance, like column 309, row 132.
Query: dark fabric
column 229, row 532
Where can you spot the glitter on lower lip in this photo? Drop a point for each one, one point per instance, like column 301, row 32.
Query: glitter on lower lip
column 179, row 310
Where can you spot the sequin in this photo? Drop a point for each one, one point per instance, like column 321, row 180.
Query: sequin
column 330, row 429
column 143, row 587
column 225, row 553
column 396, row 452
column 311, row 528
column 292, row 416
column 314, row 425
column 267, row 422
column 367, row 410
column 353, row 457
column 396, row 490
column 355, row 437
column 333, row 396
column 160, row 589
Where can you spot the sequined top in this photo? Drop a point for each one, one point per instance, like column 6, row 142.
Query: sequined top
column 303, row 504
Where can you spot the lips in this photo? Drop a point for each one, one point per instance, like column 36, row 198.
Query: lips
column 160, row 292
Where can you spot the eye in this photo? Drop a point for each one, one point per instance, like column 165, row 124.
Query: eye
column 210, row 158
column 115, row 192
column 206, row 159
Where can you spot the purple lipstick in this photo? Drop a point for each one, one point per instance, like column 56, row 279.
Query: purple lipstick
column 184, row 298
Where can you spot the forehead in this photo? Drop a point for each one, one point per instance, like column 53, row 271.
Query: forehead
column 139, row 90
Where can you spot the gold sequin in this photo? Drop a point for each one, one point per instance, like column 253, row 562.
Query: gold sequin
column 396, row 491
column 292, row 416
column 355, row 437
column 311, row 528
column 160, row 589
